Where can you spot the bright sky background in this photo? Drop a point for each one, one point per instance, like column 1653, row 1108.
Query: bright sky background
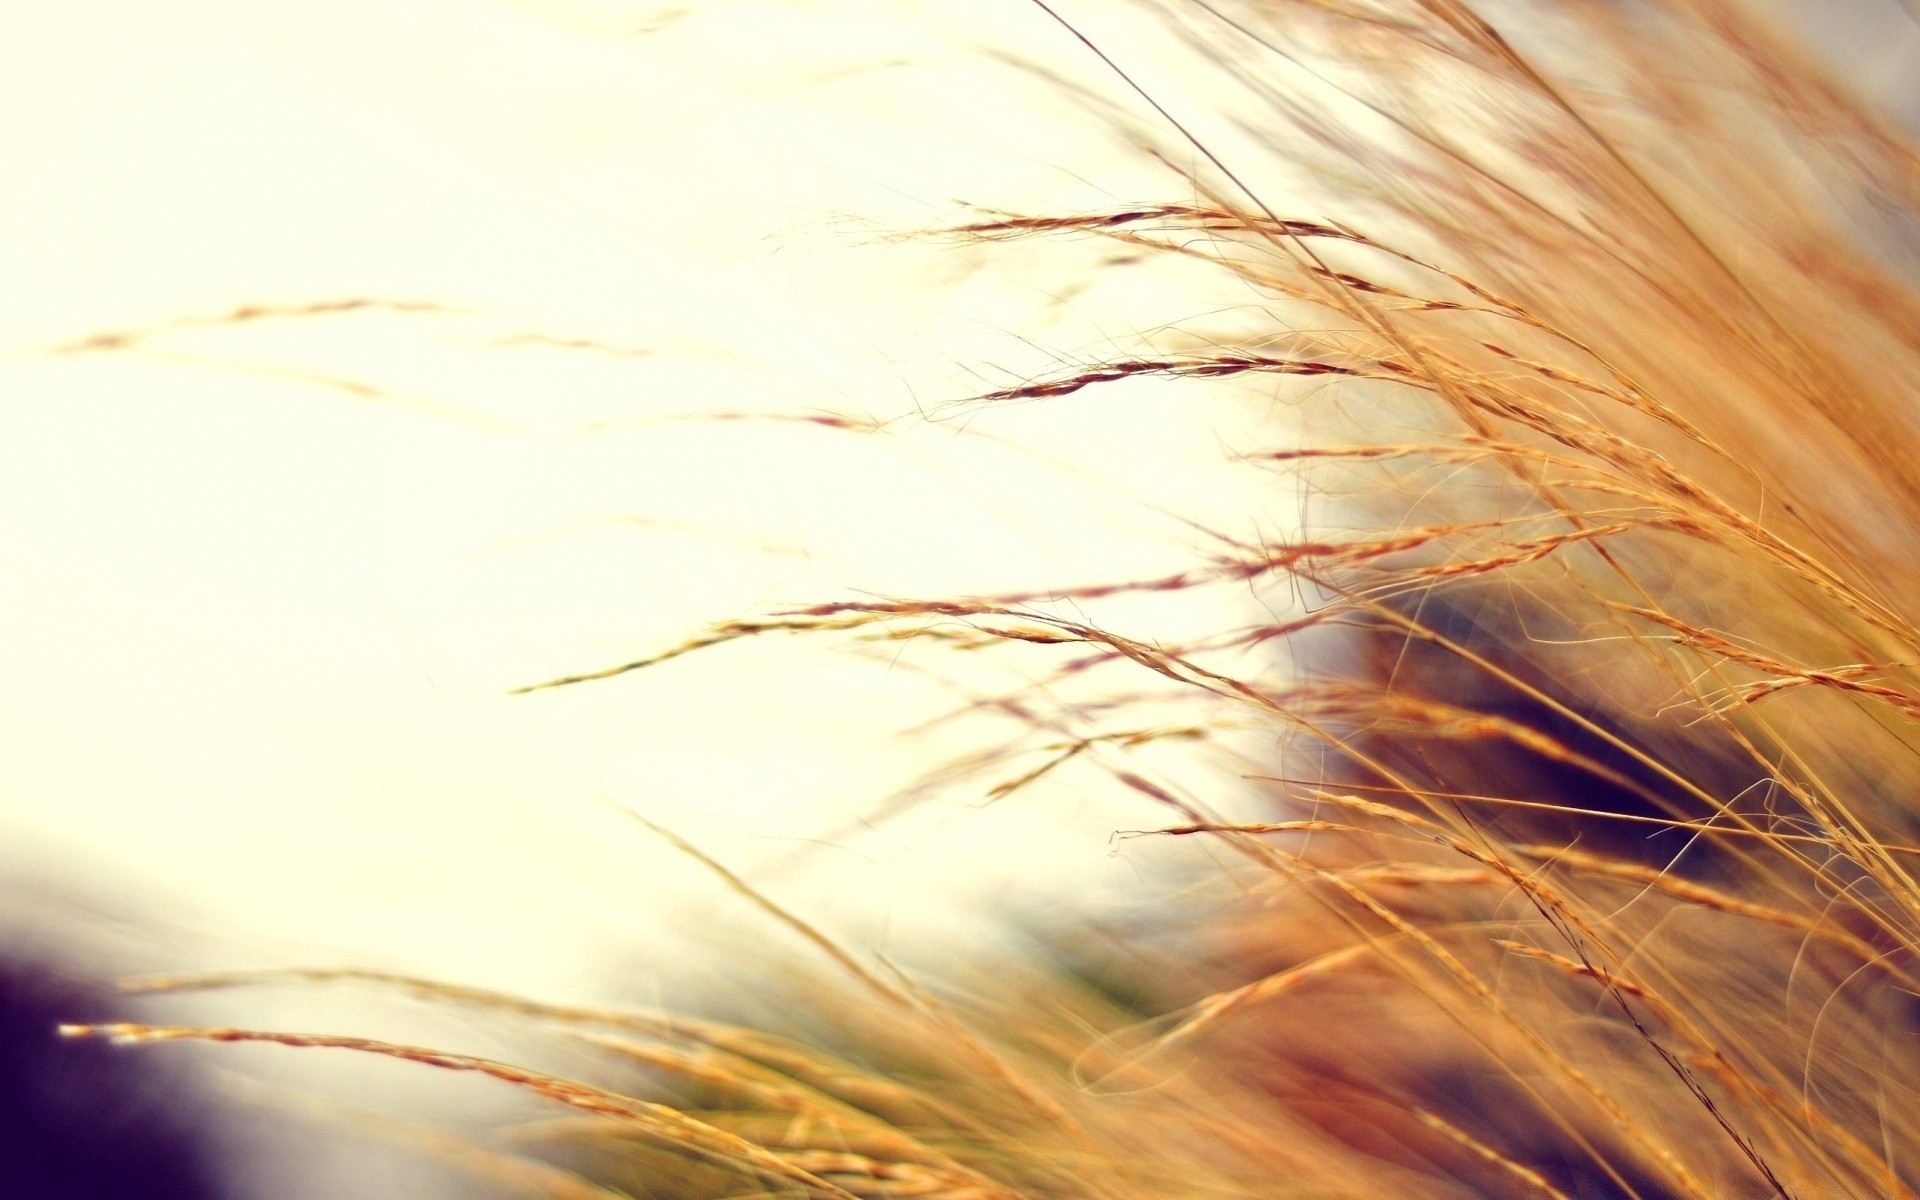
column 262, row 619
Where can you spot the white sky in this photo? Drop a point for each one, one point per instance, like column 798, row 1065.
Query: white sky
column 261, row 624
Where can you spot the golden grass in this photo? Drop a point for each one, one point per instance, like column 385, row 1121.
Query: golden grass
column 1589, row 872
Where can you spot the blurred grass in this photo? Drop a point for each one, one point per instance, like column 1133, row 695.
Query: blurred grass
column 1534, row 817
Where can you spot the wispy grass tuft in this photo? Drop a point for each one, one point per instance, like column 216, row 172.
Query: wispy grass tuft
column 1589, row 765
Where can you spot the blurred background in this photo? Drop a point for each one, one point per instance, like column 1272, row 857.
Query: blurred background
column 363, row 362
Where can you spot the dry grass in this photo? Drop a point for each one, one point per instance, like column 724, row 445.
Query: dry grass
column 1589, row 870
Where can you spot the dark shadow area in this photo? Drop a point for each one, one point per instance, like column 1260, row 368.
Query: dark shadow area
column 85, row 1119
